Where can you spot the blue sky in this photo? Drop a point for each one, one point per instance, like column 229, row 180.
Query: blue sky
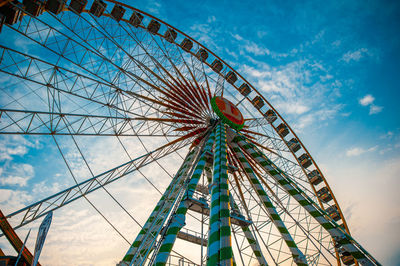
column 330, row 68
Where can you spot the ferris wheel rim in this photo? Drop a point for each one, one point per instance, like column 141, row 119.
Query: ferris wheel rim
column 265, row 100
column 254, row 89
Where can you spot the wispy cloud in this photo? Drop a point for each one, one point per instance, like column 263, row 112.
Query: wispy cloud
column 387, row 135
column 293, row 107
column 255, row 49
column 356, row 55
column 375, row 109
column 16, row 145
column 368, row 100
column 154, row 7
column 17, row 175
column 356, row 151
column 249, row 47
column 297, row 89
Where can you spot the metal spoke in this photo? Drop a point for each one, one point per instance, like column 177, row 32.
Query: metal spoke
column 62, row 198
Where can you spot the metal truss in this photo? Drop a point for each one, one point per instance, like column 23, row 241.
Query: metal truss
column 62, row 198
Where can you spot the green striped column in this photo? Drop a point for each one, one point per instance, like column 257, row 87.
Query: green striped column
column 309, row 205
column 178, row 220
column 219, row 248
column 255, row 246
column 298, row 256
column 161, row 207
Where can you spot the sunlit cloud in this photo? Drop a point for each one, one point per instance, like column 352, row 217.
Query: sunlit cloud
column 18, row 174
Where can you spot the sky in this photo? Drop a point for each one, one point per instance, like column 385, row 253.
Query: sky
column 330, row 68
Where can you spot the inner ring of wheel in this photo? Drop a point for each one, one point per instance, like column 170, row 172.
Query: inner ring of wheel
column 254, row 91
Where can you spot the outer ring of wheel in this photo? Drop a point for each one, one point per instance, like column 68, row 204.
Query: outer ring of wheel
column 254, row 90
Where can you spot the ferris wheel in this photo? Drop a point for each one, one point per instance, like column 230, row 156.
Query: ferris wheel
column 217, row 176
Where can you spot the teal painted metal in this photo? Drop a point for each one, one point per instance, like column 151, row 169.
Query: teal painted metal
column 178, row 219
column 138, row 250
column 219, row 248
column 298, row 256
column 337, row 233
column 251, row 239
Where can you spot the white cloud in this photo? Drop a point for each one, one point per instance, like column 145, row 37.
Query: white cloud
column 11, row 200
column 292, row 89
column 293, row 107
column 263, row 73
column 355, row 55
column 255, row 49
column 14, row 180
column 367, row 100
column 44, row 188
column 237, row 37
column 388, row 135
column 18, row 174
column 356, row 151
column 374, row 109
column 15, row 145
column 154, row 7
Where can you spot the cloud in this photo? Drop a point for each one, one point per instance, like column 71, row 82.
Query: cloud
column 374, row 109
column 356, row 151
column 11, row 200
column 154, row 7
column 19, row 174
column 237, row 37
column 388, row 135
column 16, row 145
column 356, row 55
column 293, row 107
column 368, row 100
column 376, row 180
column 255, row 49
column 211, row 19
column 298, row 89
